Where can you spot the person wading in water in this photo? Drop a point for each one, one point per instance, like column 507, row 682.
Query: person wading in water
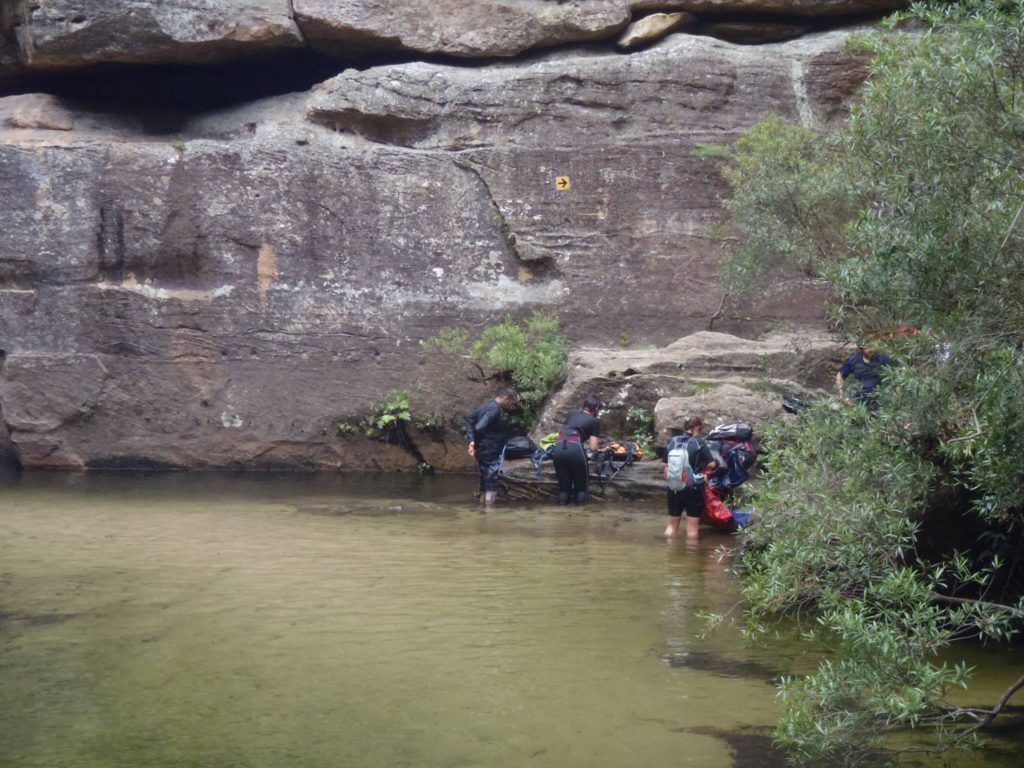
column 486, row 431
column 569, row 454
column 687, row 458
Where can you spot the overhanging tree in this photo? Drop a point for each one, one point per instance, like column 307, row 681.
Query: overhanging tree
column 913, row 214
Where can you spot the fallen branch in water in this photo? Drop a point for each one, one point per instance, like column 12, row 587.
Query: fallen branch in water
column 993, row 713
column 935, row 597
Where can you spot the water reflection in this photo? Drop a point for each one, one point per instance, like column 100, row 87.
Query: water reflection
column 322, row 621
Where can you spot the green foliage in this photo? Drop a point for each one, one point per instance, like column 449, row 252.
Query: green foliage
column 840, row 495
column 431, row 424
column 451, row 341
column 346, row 429
column 390, row 413
column 528, row 355
column 641, row 423
column 913, row 214
column 531, row 355
column 791, row 202
column 707, row 149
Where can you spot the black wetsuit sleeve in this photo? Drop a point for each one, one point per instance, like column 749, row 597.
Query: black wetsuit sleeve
column 482, row 420
column 471, row 426
column 486, row 419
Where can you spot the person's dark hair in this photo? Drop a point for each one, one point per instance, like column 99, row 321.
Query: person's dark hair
column 592, row 404
column 692, row 423
column 507, row 392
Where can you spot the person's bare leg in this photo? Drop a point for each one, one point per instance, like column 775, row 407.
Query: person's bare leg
column 489, row 498
column 672, row 528
column 692, row 528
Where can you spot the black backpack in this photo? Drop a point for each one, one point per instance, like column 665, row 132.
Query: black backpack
column 740, row 431
column 520, row 448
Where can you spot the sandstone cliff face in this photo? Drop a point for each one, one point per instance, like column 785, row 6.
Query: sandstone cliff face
column 38, row 36
column 221, row 294
column 65, row 33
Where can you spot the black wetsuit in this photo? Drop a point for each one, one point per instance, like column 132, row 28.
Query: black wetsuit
column 570, row 456
column 486, row 426
column 868, row 374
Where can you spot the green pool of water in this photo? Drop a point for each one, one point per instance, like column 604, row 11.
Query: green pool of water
column 211, row 621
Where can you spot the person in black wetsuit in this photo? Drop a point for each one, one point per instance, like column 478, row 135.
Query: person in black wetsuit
column 569, row 454
column 486, row 431
column 867, row 368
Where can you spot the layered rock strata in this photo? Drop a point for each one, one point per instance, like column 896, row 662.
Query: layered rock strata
column 62, row 34
column 65, row 33
column 223, row 295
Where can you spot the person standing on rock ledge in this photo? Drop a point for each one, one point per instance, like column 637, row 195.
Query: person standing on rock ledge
column 486, row 430
column 687, row 459
column 569, row 454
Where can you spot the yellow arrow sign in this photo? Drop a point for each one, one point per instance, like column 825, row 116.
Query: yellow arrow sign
column 563, row 183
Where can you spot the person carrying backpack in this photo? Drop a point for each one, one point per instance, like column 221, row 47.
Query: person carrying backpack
column 569, row 454
column 687, row 459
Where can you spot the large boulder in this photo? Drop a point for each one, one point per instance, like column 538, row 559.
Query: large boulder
column 496, row 28
column 479, row 29
column 652, row 28
column 66, row 33
column 596, row 167
column 719, row 376
column 36, row 111
column 718, row 404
